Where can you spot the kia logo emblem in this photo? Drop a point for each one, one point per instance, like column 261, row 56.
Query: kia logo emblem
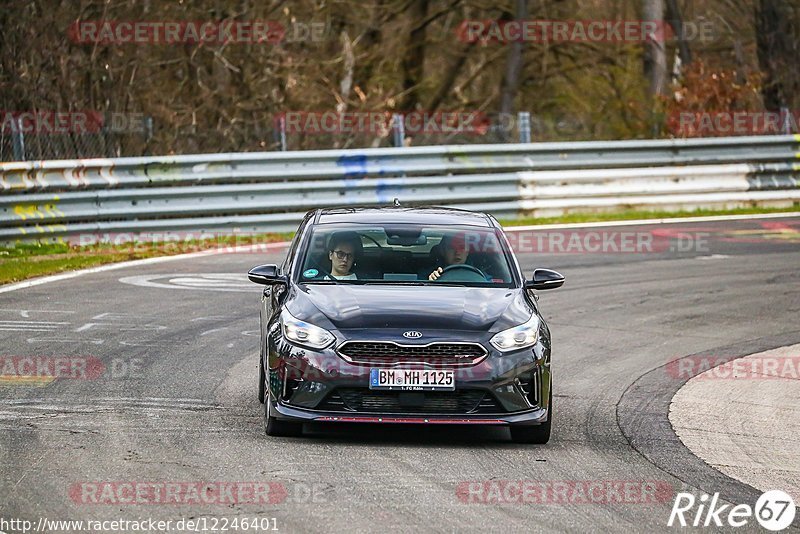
column 412, row 334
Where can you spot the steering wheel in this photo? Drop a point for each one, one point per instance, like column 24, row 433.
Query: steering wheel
column 470, row 271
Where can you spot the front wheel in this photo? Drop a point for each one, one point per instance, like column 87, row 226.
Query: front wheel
column 262, row 381
column 276, row 427
column 538, row 434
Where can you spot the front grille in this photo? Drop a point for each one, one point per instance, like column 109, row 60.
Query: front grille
column 489, row 404
column 332, row 403
column 467, row 401
column 436, row 354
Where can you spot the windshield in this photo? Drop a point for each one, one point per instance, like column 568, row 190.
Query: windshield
column 405, row 254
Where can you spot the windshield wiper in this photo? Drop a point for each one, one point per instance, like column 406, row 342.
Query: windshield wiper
column 395, row 282
column 342, row 282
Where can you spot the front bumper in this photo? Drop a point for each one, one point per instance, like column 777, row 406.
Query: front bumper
column 532, row 417
column 502, row 389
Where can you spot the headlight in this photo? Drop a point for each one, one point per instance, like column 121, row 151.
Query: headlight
column 517, row 337
column 304, row 333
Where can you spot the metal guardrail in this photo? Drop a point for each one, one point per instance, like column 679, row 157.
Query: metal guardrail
column 260, row 192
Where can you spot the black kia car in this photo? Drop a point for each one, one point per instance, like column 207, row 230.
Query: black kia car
column 404, row 315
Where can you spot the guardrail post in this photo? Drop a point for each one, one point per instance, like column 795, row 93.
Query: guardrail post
column 148, row 129
column 17, row 140
column 787, row 126
column 398, row 129
column 281, row 133
column 524, row 126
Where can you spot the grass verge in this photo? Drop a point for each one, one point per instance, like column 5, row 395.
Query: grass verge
column 28, row 260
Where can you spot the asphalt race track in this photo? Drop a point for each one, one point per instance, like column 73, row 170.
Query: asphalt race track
column 166, row 393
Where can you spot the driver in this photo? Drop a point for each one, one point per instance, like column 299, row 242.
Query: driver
column 453, row 249
column 344, row 249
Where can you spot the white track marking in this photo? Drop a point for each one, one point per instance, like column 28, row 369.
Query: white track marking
column 235, row 282
column 109, row 316
column 714, row 257
column 134, row 343
column 30, row 326
column 26, row 314
column 121, row 327
column 212, row 331
column 54, row 323
column 33, row 340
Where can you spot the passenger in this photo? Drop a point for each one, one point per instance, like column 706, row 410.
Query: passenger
column 344, row 250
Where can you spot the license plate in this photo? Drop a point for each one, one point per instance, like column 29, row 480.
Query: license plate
column 412, row 380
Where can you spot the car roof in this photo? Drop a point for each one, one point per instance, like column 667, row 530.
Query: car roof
column 402, row 214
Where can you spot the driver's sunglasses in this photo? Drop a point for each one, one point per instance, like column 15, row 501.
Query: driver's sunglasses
column 342, row 255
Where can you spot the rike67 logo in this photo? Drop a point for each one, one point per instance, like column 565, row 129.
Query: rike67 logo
column 774, row 511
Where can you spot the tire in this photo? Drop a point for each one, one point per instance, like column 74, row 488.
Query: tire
column 262, row 381
column 536, row 434
column 278, row 428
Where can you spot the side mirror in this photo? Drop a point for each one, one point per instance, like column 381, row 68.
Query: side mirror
column 266, row 275
column 545, row 279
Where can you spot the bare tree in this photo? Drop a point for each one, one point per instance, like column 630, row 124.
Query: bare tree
column 508, row 91
column 384, row 55
column 414, row 55
column 778, row 49
column 676, row 21
column 655, row 56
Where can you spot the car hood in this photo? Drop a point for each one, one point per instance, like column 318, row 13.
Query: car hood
column 345, row 307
